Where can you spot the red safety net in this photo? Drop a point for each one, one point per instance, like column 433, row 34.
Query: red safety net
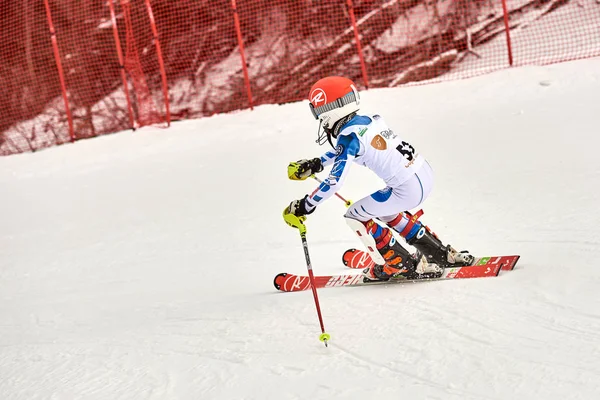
column 70, row 70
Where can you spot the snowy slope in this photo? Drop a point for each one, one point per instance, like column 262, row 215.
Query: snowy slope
column 140, row 265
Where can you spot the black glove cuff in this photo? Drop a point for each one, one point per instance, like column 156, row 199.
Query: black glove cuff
column 316, row 165
column 303, row 205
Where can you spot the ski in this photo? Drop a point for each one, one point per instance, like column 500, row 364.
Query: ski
column 359, row 259
column 485, row 267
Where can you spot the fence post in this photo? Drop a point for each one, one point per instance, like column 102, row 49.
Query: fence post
column 61, row 75
column 121, row 64
column 238, row 29
column 361, row 56
column 507, row 28
column 160, row 61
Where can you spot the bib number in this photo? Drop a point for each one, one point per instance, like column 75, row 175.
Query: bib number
column 406, row 150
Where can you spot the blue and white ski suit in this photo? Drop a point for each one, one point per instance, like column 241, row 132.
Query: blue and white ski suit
column 368, row 141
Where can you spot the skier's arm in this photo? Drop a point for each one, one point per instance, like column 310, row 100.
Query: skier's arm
column 328, row 158
column 302, row 169
column 347, row 149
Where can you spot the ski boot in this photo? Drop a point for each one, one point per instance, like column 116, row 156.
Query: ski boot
column 398, row 261
column 430, row 246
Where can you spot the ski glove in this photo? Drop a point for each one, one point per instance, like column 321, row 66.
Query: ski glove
column 302, row 169
column 299, row 208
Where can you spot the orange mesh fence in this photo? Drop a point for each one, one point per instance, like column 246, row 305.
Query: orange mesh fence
column 73, row 70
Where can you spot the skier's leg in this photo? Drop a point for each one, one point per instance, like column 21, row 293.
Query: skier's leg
column 418, row 234
column 389, row 255
column 427, row 242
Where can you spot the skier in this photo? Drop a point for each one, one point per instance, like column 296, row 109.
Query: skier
column 368, row 141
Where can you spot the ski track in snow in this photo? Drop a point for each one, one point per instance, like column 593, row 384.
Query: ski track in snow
column 140, row 265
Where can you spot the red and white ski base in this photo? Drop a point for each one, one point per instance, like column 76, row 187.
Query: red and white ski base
column 358, row 259
column 485, row 267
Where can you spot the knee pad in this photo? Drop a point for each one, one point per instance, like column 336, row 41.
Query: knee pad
column 360, row 229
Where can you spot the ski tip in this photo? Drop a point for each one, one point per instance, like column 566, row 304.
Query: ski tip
column 278, row 279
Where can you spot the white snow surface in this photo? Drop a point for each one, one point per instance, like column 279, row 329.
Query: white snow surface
column 140, row 265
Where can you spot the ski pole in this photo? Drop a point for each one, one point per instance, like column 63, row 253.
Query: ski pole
column 348, row 202
column 297, row 222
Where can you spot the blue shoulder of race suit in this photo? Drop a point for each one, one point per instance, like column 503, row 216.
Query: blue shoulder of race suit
column 351, row 144
column 348, row 143
column 348, row 147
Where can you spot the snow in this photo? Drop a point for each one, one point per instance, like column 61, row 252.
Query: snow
column 140, row 265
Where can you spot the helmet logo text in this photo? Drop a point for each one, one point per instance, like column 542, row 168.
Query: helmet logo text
column 318, row 97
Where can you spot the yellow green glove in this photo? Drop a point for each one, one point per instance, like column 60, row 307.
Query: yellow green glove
column 295, row 214
column 302, row 169
column 294, row 221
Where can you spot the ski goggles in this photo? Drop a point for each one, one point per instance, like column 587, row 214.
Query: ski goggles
column 341, row 102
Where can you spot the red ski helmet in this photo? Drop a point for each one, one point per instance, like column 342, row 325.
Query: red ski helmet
column 331, row 99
